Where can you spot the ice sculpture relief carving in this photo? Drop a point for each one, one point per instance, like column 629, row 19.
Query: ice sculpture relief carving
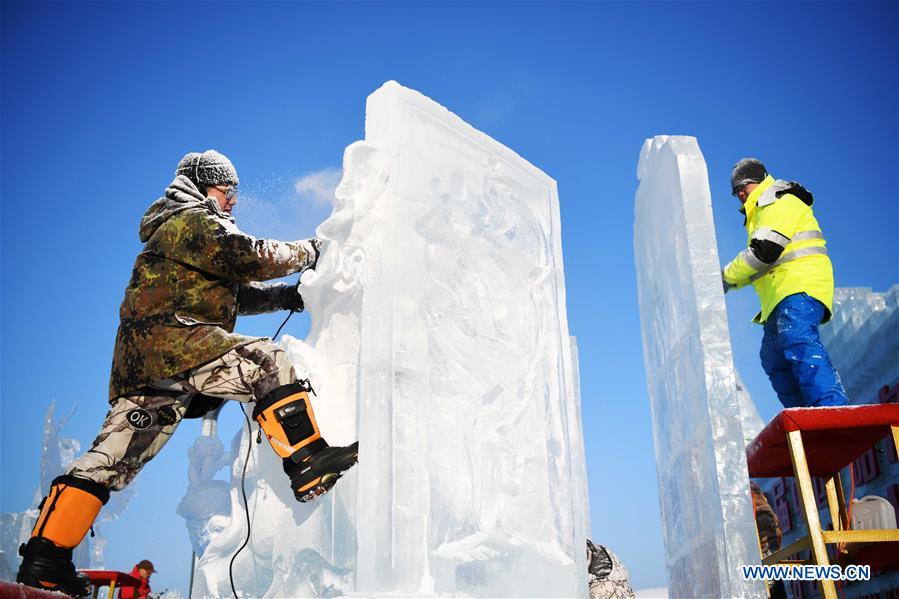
column 439, row 339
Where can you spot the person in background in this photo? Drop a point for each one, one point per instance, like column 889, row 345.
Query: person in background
column 143, row 570
column 770, row 534
column 786, row 262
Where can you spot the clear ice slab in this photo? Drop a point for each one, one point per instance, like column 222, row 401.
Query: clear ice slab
column 440, row 340
column 707, row 520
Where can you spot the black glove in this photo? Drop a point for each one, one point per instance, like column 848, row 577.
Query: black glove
column 727, row 286
column 263, row 298
column 290, row 299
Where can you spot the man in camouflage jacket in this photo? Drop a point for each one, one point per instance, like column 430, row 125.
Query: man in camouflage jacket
column 196, row 273
column 176, row 356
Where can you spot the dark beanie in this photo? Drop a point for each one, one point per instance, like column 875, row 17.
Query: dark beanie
column 207, row 169
column 748, row 170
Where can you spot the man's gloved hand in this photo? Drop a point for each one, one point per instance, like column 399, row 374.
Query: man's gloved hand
column 290, row 299
column 727, row 286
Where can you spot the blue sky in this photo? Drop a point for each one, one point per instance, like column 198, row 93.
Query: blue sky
column 100, row 101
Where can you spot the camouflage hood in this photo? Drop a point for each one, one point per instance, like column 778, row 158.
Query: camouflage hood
column 181, row 194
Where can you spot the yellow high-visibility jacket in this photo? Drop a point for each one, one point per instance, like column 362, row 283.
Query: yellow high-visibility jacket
column 786, row 251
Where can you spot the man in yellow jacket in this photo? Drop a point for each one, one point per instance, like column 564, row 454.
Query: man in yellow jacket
column 786, row 262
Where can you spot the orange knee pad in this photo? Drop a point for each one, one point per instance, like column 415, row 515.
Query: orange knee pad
column 69, row 510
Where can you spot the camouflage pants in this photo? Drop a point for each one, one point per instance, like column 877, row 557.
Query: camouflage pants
column 137, row 426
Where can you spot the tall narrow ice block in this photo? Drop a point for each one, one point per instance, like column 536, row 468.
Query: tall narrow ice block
column 440, row 340
column 707, row 517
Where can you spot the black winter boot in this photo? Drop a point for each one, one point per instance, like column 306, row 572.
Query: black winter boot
column 67, row 513
column 46, row 566
column 318, row 473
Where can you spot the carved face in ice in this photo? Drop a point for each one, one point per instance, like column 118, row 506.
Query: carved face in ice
column 347, row 230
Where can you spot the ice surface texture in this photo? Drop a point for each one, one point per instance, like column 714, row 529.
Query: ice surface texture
column 707, row 519
column 440, row 339
column 749, row 414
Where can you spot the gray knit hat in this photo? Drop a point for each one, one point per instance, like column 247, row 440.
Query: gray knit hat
column 748, row 170
column 207, row 169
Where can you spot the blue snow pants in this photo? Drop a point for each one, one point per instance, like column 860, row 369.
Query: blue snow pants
column 794, row 357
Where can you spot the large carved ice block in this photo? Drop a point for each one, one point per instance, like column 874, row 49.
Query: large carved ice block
column 708, row 524
column 440, row 341
column 471, row 475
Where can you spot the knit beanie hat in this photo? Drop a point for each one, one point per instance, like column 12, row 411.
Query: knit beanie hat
column 748, row 170
column 207, row 169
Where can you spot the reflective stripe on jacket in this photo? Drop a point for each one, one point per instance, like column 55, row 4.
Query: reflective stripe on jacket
column 786, row 251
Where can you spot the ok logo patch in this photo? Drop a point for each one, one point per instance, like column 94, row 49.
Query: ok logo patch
column 139, row 419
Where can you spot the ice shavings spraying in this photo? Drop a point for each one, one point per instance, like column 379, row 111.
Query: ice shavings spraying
column 439, row 339
column 285, row 208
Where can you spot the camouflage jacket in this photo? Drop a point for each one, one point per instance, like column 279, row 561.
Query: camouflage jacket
column 196, row 273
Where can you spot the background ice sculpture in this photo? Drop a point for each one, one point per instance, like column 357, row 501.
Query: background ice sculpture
column 440, row 339
column 206, row 503
column 15, row 527
column 863, row 340
column 707, row 521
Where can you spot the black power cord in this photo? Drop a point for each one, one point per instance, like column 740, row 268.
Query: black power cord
column 243, row 478
column 246, row 505
column 289, row 314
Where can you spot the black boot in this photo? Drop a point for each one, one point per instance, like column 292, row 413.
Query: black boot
column 318, row 472
column 285, row 416
column 46, row 566
column 66, row 514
